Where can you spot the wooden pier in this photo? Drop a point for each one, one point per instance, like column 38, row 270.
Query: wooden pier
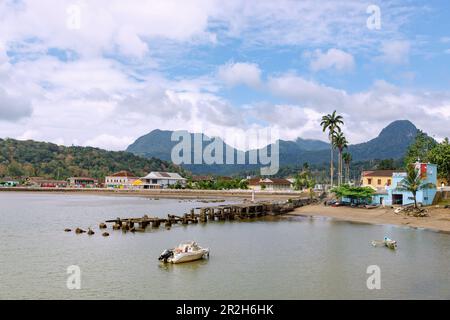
column 205, row 214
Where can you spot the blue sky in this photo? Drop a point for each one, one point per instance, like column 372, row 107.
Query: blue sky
column 103, row 73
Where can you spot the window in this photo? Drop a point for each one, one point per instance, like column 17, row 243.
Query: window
column 379, row 181
column 389, row 182
column 369, row 181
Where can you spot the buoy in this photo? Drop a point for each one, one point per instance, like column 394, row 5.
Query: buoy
column 78, row 231
column 102, row 225
column 67, row 230
column 90, row 232
column 105, row 234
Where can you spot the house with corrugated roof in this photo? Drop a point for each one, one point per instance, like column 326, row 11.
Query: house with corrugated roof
column 269, row 184
column 162, row 180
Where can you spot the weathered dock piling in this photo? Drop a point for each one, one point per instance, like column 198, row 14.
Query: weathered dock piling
column 221, row 213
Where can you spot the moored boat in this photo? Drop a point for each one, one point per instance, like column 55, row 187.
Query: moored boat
column 184, row 252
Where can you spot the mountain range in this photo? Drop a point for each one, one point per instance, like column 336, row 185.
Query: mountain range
column 391, row 143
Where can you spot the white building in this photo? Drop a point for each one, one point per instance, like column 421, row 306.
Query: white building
column 121, row 180
column 161, row 180
column 272, row 184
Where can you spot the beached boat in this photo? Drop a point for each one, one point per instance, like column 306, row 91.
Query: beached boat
column 184, row 252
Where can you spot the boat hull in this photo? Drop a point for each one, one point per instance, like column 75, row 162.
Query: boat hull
column 188, row 256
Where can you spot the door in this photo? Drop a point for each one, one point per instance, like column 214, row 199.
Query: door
column 397, row 199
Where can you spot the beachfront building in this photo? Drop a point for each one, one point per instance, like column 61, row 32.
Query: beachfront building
column 269, row 184
column 392, row 195
column 40, row 182
column 82, row 182
column 121, row 180
column 161, row 180
column 377, row 178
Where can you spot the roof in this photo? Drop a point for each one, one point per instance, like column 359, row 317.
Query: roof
column 163, row 175
column 201, row 178
column 83, row 178
column 259, row 181
column 44, row 181
column 378, row 173
column 123, row 173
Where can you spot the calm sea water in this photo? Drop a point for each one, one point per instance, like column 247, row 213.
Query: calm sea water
column 294, row 258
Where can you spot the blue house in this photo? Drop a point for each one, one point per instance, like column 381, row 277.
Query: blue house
column 391, row 195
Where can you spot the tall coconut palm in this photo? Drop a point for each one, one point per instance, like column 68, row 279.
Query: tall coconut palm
column 340, row 143
column 347, row 158
column 413, row 183
column 332, row 123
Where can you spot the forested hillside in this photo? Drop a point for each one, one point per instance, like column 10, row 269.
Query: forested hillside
column 32, row 158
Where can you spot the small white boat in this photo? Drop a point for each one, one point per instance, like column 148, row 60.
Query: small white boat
column 387, row 242
column 184, row 252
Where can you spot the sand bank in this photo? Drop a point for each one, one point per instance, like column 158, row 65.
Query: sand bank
column 439, row 219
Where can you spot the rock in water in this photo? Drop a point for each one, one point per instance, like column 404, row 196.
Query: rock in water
column 102, row 225
column 67, row 230
column 90, row 232
column 105, row 234
column 78, row 231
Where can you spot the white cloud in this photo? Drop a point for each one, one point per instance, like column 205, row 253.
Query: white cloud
column 110, row 142
column 366, row 112
column 233, row 74
column 395, row 52
column 130, row 44
column 111, row 88
column 332, row 59
column 13, row 108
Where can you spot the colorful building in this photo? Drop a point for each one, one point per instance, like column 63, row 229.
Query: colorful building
column 377, row 178
column 121, row 180
column 392, row 195
column 82, row 182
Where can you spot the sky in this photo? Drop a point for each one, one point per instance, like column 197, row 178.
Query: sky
column 104, row 72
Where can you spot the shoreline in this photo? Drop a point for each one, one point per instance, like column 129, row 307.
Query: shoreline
column 167, row 193
column 438, row 221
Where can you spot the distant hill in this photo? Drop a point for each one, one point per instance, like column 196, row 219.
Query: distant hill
column 32, row 158
column 392, row 142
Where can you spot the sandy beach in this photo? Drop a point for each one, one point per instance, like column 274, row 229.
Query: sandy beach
column 439, row 219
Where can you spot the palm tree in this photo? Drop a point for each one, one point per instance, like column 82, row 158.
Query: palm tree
column 347, row 157
column 340, row 142
column 413, row 183
column 331, row 122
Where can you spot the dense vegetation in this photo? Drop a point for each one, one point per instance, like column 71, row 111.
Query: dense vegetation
column 32, row 158
column 216, row 184
column 357, row 194
column 427, row 149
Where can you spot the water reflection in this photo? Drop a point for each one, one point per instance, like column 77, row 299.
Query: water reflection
column 181, row 268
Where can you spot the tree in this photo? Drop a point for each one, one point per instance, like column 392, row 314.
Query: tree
column 353, row 193
column 440, row 155
column 310, row 184
column 413, row 183
column 15, row 170
column 331, row 122
column 347, row 158
column 386, row 164
column 340, row 142
column 420, row 148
